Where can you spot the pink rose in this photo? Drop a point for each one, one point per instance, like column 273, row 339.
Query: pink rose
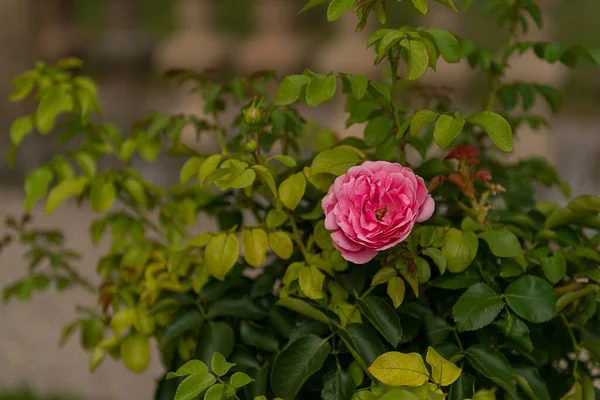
column 373, row 207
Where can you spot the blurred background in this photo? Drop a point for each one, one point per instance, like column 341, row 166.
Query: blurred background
column 127, row 44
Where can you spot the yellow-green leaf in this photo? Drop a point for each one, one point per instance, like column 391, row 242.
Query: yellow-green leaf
column 418, row 58
column 20, row 128
column 396, row 289
column 398, row 369
column 102, row 194
column 443, row 372
column 255, row 245
column 221, row 254
column 311, row 282
column 267, row 177
column 63, row 191
column 190, row 169
column 208, row 167
column 281, row 244
column 292, row 189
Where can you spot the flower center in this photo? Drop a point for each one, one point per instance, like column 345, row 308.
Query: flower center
column 380, row 213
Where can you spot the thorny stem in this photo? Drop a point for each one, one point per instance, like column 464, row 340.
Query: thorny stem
column 394, row 59
column 497, row 79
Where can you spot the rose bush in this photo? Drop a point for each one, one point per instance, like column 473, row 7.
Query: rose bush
column 373, row 207
column 412, row 263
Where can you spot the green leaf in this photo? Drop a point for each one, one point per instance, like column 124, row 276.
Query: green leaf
column 585, row 204
column 337, row 385
column 260, row 338
column 448, row 3
column 531, row 298
column 418, row 58
column 221, row 254
column 336, row 161
column 321, row 88
column 476, row 308
column 281, row 244
column 290, row 88
column 285, row 160
column 219, row 364
column 86, row 162
column 215, row 337
column 423, row 270
column 493, row 365
column 303, row 308
column 437, row 257
column 276, row 218
column 399, row 369
column 399, row 394
column 267, row 177
column 311, row 4
column 208, row 167
column 447, row 44
column 555, row 267
column 337, row 8
column 36, row 185
column 383, row 318
column 23, row 84
column 189, row 368
column 359, row 84
column 447, row 128
column 136, row 189
column 420, row 5
column 215, row 392
column 497, row 128
column 53, row 103
column 396, row 290
column 459, row 281
column 460, row 249
column 21, row 127
column 290, row 372
column 193, row 386
column 255, row 245
column 527, row 95
column 503, row 243
column 530, row 382
column 420, row 119
column 551, row 95
column 190, row 169
column 311, row 282
column 240, row 379
column 63, row 191
column 443, row 372
column 383, row 275
column 363, row 343
column 102, row 194
column 292, row 189
column 377, row 130
column 181, row 324
column 515, row 330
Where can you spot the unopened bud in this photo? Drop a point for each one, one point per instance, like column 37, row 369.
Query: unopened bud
column 250, row 146
column 253, row 115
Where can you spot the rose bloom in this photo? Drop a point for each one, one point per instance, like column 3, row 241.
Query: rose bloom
column 373, row 207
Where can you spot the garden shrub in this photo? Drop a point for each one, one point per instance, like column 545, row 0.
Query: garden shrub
column 412, row 263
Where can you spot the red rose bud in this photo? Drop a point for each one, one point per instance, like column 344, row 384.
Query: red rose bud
column 484, row 175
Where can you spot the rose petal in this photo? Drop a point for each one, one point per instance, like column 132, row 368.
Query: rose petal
column 426, row 210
